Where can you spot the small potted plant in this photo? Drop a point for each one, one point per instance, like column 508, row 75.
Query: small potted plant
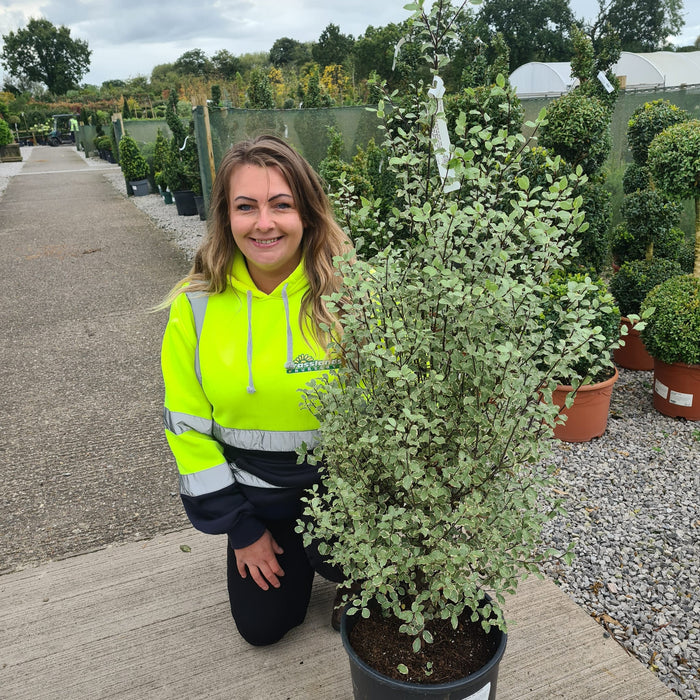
column 134, row 166
column 672, row 337
column 630, row 285
column 585, row 389
column 433, row 427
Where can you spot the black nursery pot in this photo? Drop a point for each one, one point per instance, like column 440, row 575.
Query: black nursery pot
column 368, row 684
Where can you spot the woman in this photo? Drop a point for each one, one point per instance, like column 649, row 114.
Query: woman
column 244, row 336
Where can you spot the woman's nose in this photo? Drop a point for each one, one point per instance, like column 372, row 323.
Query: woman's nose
column 264, row 222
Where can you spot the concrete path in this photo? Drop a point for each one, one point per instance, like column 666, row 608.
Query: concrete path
column 84, row 465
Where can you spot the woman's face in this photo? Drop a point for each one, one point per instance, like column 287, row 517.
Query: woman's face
column 265, row 223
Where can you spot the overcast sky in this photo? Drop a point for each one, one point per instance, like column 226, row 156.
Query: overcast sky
column 129, row 37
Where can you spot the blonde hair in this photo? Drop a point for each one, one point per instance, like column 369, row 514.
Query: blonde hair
column 322, row 239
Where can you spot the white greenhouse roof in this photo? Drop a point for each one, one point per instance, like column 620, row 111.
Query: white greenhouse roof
column 537, row 78
column 659, row 68
column 641, row 70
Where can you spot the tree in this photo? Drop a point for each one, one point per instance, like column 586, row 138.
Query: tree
column 260, row 95
column 332, row 47
column 642, row 25
column 43, row 53
column 534, row 31
column 225, row 64
column 286, row 51
column 194, row 62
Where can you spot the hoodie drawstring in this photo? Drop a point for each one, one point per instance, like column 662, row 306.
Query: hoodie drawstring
column 251, row 386
column 290, row 343
column 289, row 364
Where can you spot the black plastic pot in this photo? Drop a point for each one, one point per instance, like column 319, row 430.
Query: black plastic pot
column 140, row 188
column 184, row 201
column 368, row 684
column 199, row 203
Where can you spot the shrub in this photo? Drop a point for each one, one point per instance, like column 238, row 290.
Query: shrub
column 636, row 177
column 6, row 136
column 635, row 279
column 576, row 290
column 131, row 160
column 578, row 129
column 649, row 120
column 672, row 333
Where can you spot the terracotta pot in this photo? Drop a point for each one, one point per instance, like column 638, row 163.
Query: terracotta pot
column 677, row 390
column 588, row 416
column 633, row 355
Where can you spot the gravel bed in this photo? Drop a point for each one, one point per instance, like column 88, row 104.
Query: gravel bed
column 632, row 498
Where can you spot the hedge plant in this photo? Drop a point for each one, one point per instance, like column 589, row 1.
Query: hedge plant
column 674, row 163
column 131, row 160
column 649, row 120
column 6, row 136
column 636, row 278
column 672, row 333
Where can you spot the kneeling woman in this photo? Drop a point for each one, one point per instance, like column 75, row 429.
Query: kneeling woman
column 244, row 335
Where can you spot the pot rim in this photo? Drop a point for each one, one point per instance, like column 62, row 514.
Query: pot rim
column 484, row 671
column 590, row 387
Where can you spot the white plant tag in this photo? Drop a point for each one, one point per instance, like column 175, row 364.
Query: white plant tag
column 605, row 82
column 661, row 389
column 441, row 138
column 680, row 399
column 482, row 694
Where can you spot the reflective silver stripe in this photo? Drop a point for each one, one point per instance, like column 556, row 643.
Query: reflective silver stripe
column 265, row 440
column 198, row 302
column 248, row 479
column 206, row 481
column 179, row 423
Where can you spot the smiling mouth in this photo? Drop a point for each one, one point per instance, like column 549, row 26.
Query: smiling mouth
column 266, row 242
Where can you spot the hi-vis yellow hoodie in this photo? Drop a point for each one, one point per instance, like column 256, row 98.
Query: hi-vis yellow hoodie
column 233, row 364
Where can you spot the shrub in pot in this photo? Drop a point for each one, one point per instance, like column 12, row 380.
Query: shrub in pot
column 672, row 337
column 133, row 165
column 434, row 426
column 584, row 391
column 630, row 285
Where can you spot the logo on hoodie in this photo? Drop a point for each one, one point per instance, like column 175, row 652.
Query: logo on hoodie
column 306, row 363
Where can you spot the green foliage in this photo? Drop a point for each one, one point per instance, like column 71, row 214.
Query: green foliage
column 578, row 129
column 43, row 53
column 260, row 91
column 534, row 31
column 672, row 333
column 5, row 133
column 332, row 47
column 635, row 279
column 485, row 108
column 578, row 289
column 649, row 120
column 133, row 164
column 594, row 241
column 433, row 427
column 160, row 151
column 674, row 160
column 650, row 215
column 636, row 177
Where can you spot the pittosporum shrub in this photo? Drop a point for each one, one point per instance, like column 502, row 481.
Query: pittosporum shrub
column 433, row 430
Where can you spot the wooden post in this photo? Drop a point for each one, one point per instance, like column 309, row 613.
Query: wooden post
column 210, row 146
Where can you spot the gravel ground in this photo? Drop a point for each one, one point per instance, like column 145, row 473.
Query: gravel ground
column 633, row 500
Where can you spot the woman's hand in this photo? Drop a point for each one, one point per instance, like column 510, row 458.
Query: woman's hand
column 261, row 560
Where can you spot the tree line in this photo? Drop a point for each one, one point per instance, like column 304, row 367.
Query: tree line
column 46, row 62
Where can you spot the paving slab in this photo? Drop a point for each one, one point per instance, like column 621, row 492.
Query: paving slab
column 149, row 620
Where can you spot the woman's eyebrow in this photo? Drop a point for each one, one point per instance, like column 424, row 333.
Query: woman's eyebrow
column 252, row 199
